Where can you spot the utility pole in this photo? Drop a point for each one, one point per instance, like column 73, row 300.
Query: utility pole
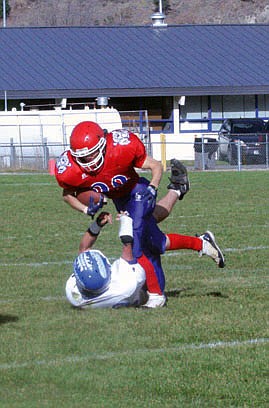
column 4, row 13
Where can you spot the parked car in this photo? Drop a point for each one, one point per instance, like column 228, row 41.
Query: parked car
column 249, row 134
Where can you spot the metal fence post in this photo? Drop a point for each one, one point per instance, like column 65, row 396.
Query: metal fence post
column 266, row 150
column 203, row 153
column 45, row 154
column 12, row 153
column 239, row 155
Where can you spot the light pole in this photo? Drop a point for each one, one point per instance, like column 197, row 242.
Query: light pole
column 4, row 25
column 4, row 13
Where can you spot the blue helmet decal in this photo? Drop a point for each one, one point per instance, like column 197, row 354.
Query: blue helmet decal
column 92, row 271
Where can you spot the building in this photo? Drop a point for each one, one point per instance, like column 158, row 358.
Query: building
column 188, row 78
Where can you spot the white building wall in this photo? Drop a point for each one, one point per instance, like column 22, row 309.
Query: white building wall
column 51, row 126
column 54, row 125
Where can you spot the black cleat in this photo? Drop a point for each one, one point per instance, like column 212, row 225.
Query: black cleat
column 211, row 249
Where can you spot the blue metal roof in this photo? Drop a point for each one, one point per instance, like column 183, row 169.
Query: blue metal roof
column 134, row 61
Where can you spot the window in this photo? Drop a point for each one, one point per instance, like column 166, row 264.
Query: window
column 206, row 113
column 159, row 108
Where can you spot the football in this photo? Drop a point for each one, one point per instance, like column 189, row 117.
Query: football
column 84, row 196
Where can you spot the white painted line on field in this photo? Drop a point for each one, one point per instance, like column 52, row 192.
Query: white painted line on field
column 12, row 237
column 248, row 248
column 225, row 250
column 26, row 173
column 168, row 253
column 29, row 184
column 25, row 300
column 37, row 264
column 109, row 355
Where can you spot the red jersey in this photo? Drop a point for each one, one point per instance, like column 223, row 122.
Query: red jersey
column 117, row 177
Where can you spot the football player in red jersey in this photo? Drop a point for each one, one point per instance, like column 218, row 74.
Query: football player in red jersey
column 106, row 162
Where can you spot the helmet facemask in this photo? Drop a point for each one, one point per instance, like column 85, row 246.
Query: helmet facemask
column 87, row 145
column 91, row 159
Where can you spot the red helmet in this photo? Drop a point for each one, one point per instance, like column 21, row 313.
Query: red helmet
column 87, row 144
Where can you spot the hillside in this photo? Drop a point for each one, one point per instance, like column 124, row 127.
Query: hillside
column 134, row 12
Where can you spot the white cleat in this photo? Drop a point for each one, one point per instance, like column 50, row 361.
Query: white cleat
column 155, row 300
column 211, row 249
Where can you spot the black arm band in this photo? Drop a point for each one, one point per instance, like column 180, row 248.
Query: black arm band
column 126, row 239
column 94, row 229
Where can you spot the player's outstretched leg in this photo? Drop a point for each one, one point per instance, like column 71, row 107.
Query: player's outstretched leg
column 211, row 249
column 179, row 180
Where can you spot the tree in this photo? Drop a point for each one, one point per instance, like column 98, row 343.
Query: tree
column 7, row 8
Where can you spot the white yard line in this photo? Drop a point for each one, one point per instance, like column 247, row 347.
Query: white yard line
column 36, row 264
column 168, row 253
column 109, row 355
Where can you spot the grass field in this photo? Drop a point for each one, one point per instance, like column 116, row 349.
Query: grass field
column 207, row 348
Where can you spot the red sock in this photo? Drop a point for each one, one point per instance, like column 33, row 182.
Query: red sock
column 151, row 278
column 178, row 241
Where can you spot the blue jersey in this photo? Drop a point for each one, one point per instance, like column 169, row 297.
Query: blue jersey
column 148, row 238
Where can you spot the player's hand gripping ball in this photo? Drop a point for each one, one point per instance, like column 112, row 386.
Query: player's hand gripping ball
column 93, row 200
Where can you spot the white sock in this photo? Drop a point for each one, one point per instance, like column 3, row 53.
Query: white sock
column 178, row 193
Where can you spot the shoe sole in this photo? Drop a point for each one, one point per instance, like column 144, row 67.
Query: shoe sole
column 154, row 307
column 221, row 263
column 163, row 304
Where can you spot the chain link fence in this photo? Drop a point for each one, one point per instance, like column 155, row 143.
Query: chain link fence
column 238, row 154
column 29, row 156
column 206, row 155
column 49, row 135
column 18, row 128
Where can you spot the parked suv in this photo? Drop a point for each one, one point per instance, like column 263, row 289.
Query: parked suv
column 249, row 134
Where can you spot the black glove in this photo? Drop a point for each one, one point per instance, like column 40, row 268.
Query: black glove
column 184, row 188
column 94, row 207
column 179, row 178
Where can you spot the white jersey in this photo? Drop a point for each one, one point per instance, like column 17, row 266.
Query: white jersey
column 125, row 288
